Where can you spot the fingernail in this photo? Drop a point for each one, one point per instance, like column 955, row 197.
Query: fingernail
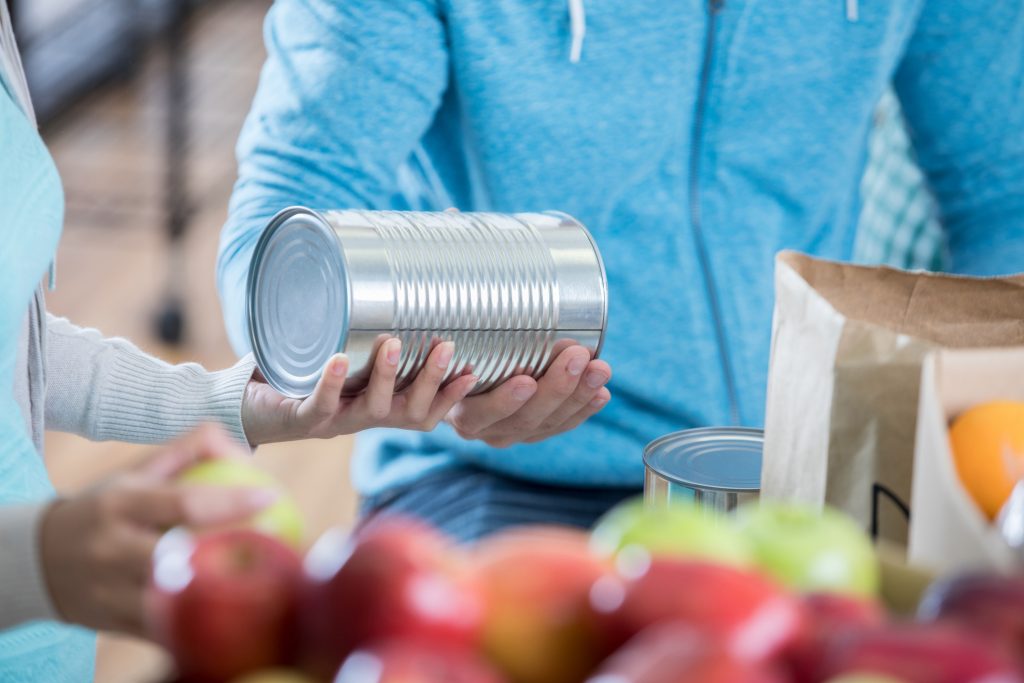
column 521, row 393
column 595, row 380
column 444, row 357
column 577, row 366
column 261, row 498
column 393, row 353
column 338, row 365
column 598, row 402
column 470, row 385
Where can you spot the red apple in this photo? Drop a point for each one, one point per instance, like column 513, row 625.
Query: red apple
column 918, row 653
column 991, row 605
column 751, row 614
column 537, row 626
column 828, row 616
column 275, row 676
column 394, row 579
column 405, row 661
column 224, row 604
column 835, row 611
column 676, row 652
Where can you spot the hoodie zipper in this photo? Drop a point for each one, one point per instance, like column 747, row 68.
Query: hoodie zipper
column 713, row 7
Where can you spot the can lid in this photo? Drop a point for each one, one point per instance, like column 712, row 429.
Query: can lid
column 298, row 300
column 712, row 458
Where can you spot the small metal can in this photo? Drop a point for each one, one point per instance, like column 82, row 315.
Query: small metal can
column 511, row 290
column 719, row 468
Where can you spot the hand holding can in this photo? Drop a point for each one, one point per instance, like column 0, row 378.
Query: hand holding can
column 268, row 417
column 509, row 308
column 511, row 291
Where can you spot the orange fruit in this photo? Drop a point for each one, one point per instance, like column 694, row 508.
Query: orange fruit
column 988, row 448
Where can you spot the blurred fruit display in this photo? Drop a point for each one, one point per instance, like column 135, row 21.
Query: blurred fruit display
column 778, row 594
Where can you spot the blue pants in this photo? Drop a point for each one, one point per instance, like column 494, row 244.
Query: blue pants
column 469, row 503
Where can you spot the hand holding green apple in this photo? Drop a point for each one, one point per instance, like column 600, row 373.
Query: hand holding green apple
column 280, row 519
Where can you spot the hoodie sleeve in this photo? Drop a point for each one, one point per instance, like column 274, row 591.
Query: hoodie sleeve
column 347, row 91
column 961, row 84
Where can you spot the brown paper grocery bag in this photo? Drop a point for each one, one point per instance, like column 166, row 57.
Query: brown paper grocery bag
column 949, row 533
column 847, row 347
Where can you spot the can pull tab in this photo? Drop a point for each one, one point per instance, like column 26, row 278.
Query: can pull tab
column 852, row 10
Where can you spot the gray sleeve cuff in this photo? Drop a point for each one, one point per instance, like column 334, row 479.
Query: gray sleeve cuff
column 143, row 402
column 24, row 596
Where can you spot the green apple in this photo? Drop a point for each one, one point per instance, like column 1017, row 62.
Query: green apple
column 281, row 519
column 677, row 529
column 810, row 549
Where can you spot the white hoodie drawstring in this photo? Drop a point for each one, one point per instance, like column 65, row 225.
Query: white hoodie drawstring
column 852, row 10
column 578, row 26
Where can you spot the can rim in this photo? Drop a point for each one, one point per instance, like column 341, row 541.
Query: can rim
column 601, row 268
column 259, row 353
column 742, row 433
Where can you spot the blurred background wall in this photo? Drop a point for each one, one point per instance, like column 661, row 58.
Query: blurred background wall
column 102, row 73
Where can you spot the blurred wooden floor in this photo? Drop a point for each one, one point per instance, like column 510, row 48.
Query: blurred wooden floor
column 112, row 262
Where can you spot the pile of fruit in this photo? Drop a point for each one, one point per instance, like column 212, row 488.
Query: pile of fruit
column 775, row 594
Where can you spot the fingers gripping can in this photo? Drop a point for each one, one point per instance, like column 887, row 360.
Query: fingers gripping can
column 510, row 290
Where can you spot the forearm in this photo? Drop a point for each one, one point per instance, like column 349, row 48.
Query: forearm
column 23, row 593
column 108, row 389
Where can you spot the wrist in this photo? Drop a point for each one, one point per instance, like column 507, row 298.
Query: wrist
column 265, row 419
column 252, row 426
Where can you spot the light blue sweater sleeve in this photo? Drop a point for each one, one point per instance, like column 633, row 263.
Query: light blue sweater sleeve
column 347, row 91
column 961, row 84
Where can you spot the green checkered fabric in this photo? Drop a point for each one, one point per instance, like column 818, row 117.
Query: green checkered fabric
column 898, row 223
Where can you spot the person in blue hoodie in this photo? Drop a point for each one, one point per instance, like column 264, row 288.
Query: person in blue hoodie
column 695, row 139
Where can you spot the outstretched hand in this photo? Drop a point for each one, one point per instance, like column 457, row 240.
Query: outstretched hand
column 267, row 416
column 96, row 548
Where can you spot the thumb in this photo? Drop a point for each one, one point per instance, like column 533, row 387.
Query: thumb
column 168, row 506
column 326, row 397
column 203, row 443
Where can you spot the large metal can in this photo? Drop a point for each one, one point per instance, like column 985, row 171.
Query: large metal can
column 510, row 290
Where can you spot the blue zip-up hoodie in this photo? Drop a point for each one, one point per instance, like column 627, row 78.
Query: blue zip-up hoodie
column 695, row 140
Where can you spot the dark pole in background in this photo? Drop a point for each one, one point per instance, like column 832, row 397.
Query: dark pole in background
column 170, row 319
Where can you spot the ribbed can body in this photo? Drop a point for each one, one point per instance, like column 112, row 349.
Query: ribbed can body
column 510, row 290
